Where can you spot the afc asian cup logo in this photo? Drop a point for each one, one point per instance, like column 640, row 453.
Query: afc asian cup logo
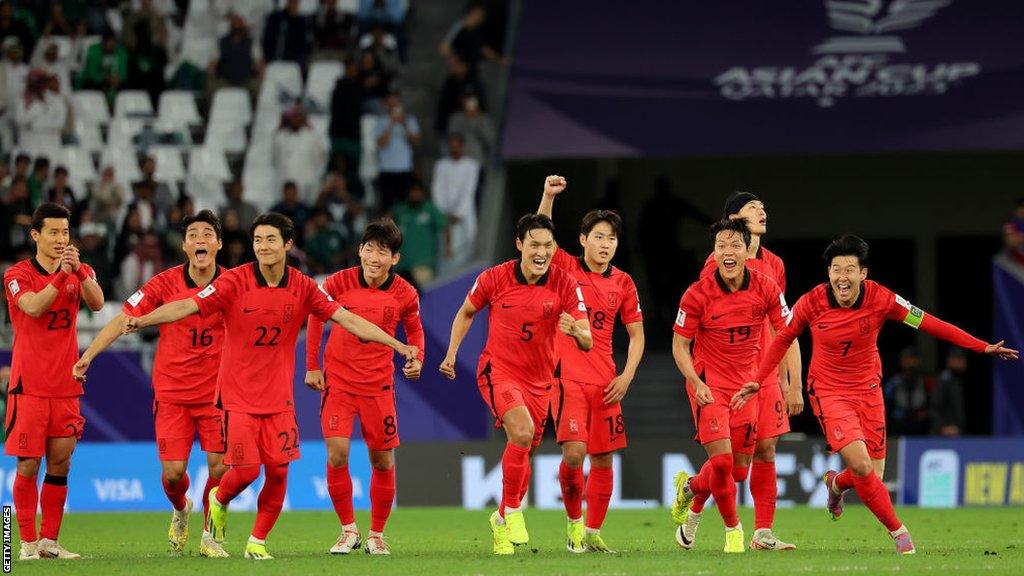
column 548, row 309
column 873, row 21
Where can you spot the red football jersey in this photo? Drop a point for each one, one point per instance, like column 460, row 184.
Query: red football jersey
column 523, row 321
column 45, row 348
column 766, row 262
column 188, row 353
column 358, row 367
column 726, row 326
column 607, row 295
column 262, row 323
column 844, row 355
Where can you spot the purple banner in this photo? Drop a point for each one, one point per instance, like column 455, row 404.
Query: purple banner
column 1008, row 323
column 759, row 76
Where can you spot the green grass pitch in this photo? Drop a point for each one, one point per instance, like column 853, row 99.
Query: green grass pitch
column 454, row 541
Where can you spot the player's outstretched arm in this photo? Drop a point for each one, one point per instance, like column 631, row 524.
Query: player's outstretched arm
column 366, row 330
column 553, row 186
column 955, row 335
column 684, row 362
column 170, row 312
column 615, row 391
column 460, row 326
column 107, row 336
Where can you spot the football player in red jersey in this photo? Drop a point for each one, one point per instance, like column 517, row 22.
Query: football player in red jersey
column 586, row 402
column 530, row 302
column 777, row 400
column 184, row 373
column 723, row 316
column 264, row 304
column 844, row 389
column 43, row 415
column 358, row 379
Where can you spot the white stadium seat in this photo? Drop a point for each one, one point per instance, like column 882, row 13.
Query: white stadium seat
column 231, row 105
column 90, row 106
column 282, row 81
column 322, row 77
column 169, row 165
column 178, row 108
column 132, row 104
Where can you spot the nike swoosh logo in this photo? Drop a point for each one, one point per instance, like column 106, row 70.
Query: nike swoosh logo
column 508, row 305
column 249, row 310
column 717, row 317
column 822, row 326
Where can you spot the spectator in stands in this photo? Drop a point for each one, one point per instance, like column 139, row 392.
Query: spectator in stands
column 384, row 47
column 299, row 154
column 106, row 66
column 907, row 397
column 162, row 195
column 22, row 163
column 1013, row 233
column 145, row 38
column 60, row 192
column 246, row 212
column 343, row 207
column 129, row 236
column 293, row 207
column 13, row 76
column 456, row 85
column 235, row 232
column 11, row 27
column 477, row 129
column 94, row 252
column 58, row 24
column 328, row 245
column 423, row 227
column 234, row 253
column 49, row 60
column 141, row 264
column 388, row 13
column 397, row 133
column 346, row 109
column 108, row 196
column 15, row 217
column 38, row 180
column 333, row 29
column 375, row 80
column 454, row 191
column 144, row 208
column 947, row 407
column 41, row 114
column 288, row 35
column 239, row 62
column 466, row 39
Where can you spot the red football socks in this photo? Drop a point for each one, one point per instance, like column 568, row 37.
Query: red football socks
column 234, row 481
column 51, row 499
column 571, row 480
column 844, row 480
column 763, row 487
column 210, row 483
column 339, row 486
column 26, row 500
column 526, row 484
column 599, row 492
column 723, row 487
column 382, row 496
column 176, row 493
column 514, row 466
column 700, row 485
column 873, row 494
column 271, row 500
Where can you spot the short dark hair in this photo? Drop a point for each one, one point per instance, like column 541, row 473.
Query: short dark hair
column 22, row 157
column 738, row 225
column 595, row 217
column 206, row 216
column 48, row 210
column 280, row 221
column 59, row 170
column 533, row 222
column 847, row 245
column 384, row 232
column 41, row 162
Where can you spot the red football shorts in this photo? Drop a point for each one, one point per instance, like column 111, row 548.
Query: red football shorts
column 582, row 416
column 501, row 396
column 378, row 419
column 254, row 439
column 33, row 419
column 772, row 418
column 850, row 416
column 716, row 421
column 177, row 425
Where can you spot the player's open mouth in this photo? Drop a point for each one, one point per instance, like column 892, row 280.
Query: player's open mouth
column 763, row 221
column 844, row 289
column 729, row 263
column 540, row 263
column 201, row 255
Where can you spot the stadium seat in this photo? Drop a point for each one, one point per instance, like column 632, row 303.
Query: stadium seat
column 368, row 168
column 178, row 108
column 132, row 104
column 322, row 77
column 169, row 165
column 282, row 82
column 123, row 130
column 125, row 164
column 89, row 136
column 210, row 163
column 231, row 105
column 90, row 106
column 226, row 137
column 79, row 164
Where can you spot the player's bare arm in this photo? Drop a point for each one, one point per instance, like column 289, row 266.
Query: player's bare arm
column 579, row 330
column 107, row 336
column 170, row 312
column 793, row 392
column 684, row 362
column 363, row 328
column 315, row 379
column 460, row 326
column 616, row 390
column 35, row 303
column 553, row 186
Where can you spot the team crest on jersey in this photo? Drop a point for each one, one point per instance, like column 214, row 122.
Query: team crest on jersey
column 548, row 309
column 574, row 426
column 162, row 446
column 238, row 452
column 756, row 312
column 332, row 423
column 389, row 314
column 289, row 310
column 838, row 433
column 865, row 326
column 613, row 300
column 713, row 425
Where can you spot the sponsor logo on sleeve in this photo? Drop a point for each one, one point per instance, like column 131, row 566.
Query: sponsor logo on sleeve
column 680, row 318
column 14, row 288
column 787, row 312
column 903, row 302
column 207, row 292
column 321, row 288
column 134, row 300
